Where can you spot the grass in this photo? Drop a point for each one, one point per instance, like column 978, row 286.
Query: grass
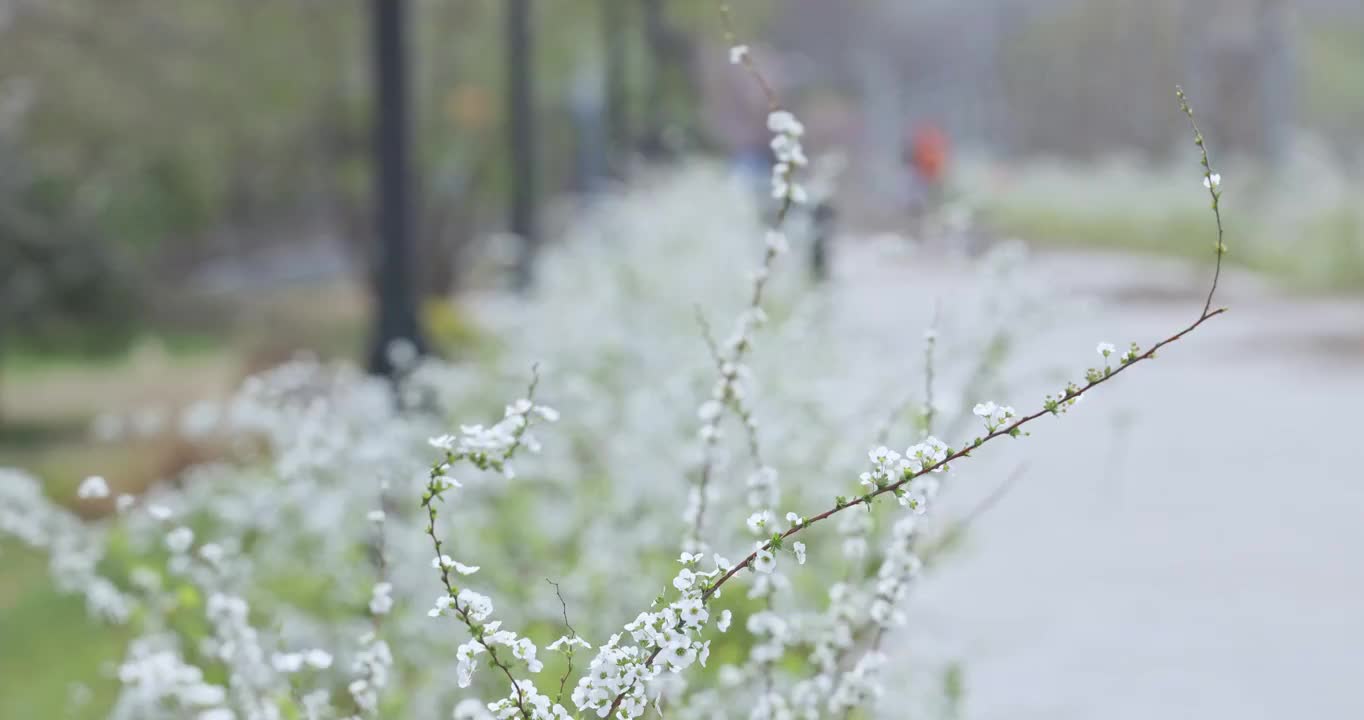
column 49, row 645
column 1305, row 228
column 48, row 402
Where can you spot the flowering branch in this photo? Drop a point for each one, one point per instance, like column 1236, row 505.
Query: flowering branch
column 930, row 344
column 563, row 605
column 1213, row 182
column 490, row 449
column 374, row 658
column 728, row 392
column 1050, row 407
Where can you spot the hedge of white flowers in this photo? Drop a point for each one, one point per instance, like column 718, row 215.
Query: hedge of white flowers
column 636, row 530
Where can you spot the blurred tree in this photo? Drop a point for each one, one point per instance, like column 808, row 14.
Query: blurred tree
column 205, row 132
column 672, row 86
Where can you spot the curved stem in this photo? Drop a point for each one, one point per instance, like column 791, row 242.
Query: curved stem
column 1010, row 429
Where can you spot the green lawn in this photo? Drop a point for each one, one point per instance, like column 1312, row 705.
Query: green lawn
column 48, row 645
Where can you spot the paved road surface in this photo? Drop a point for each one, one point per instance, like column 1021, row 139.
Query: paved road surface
column 1205, row 562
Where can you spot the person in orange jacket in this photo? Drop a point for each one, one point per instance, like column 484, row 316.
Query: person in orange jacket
column 926, row 152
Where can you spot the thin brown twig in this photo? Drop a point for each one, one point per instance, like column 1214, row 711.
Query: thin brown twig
column 744, row 414
column 563, row 679
column 930, row 345
column 1010, row 430
column 433, row 493
column 759, row 280
column 1214, row 190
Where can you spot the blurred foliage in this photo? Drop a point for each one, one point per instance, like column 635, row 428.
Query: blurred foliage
column 158, row 135
column 1332, row 60
column 59, row 286
column 1128, row 50
column 1304, row 227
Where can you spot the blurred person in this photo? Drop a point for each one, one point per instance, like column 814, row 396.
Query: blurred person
column 926, row 152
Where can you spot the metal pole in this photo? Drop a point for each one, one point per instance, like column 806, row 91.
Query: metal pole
column 656, row 40
column 617, row 95
column 824, row 226
column 521, row 138
column 396, row 306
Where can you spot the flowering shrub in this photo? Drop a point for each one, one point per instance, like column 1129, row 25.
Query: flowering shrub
column 352, row 557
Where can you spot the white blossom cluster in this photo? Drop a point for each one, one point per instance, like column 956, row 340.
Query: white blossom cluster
column 325, row 465
column 620, row 675
column 313, row 447
column 292, row 568
column 994, row 416
column 790, row 155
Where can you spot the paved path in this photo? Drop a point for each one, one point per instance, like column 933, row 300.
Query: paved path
column 1207, row 561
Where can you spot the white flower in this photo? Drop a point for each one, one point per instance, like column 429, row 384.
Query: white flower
column 883, row 455
column 764, row 561
column 777, row 243
column 548, row 413
column 375, row 516
column 445, row 482
column 726, row 617
column 443, row 603
column 1213, row 181
column 464, row 672
column 471, row 709
column 212, row 552
column 160, row 512
column 443, row 442
column 758, row 521
column 179, row 540
column 737, row 54
column 287, row 662
column 685, row 579
column 799, row 547
column 996, row 416
column 93, row 487
column 783, row 122
column 679, row 657
column 124, row 502
column 445, row 563
column 524, row 649
column 320, row 659
column 480, row 606
column 569, row 642
column 381, row 600
column 692, row 612
column 1105, row 349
